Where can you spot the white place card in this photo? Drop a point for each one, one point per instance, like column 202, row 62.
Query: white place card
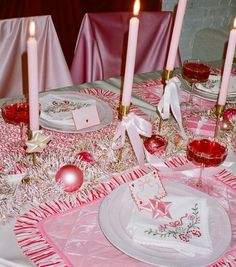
column 85, row 117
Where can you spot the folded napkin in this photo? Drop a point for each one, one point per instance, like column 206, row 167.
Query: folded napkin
column 181, row 223
column 57, row 109
column 213, row 85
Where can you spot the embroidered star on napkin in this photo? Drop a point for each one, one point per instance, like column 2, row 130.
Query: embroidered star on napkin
column 158, row 208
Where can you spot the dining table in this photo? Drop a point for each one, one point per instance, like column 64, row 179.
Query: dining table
column 41, row 224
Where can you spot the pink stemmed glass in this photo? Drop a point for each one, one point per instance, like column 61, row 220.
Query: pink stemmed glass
column 194, row 71
column 16, row 111
column 205, row 153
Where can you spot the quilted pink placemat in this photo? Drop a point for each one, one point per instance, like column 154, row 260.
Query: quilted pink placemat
column 67, row 233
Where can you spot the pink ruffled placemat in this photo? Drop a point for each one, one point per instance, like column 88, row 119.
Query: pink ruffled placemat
column 67, row 233
column 151, row 91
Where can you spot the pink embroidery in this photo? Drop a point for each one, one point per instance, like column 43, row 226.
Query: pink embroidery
column 178, row 222
column 189, row 227
column 142, row 183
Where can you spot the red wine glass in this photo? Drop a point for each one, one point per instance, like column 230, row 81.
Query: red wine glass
column 16, row 111
column 194, row 71
column 205, row 153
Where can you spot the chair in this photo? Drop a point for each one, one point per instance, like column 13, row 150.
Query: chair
column 102, row 41
column 209, row 44
column 53, row 70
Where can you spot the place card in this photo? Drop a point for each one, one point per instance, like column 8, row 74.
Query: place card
column 146, row 188
column 85, row 117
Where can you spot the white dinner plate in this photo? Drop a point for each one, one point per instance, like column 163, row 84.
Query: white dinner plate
column 202, row 90
column 212, row 86
column 115, row 213
column 105, row 112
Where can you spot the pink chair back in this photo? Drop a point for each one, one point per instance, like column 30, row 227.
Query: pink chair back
column 53, row 70
column 102, row 41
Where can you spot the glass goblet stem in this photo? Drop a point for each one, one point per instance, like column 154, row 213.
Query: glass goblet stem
column 190, row 99
column 199, row 182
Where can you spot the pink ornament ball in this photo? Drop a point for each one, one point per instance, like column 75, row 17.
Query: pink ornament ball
column 155, row 144
column 229, row 114
column 86, row 156
column 70, row 177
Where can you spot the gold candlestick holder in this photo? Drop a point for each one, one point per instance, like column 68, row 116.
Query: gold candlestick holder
column 166, row 76
column 123, row 111
column 218, row 112
column 34, row 158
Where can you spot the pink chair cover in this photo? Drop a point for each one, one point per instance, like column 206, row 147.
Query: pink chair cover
column 53, row 70
column 102, row 40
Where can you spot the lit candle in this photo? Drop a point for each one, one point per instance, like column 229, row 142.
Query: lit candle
column 228, row 66
column 176, row 35
column 130, row 57
column 32, row 51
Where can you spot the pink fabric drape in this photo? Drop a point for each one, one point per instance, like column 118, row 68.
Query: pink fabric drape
column 69, row 11
column 101, row 45
column 53, row 70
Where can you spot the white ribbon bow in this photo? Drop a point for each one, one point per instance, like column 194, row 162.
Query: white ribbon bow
column 135, row 126
column 37, row 143
column 200, row 124
column 170, row 100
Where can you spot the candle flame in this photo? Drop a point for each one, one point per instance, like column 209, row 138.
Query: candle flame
column 235, row 22
column 32, row 28
column 136, row 7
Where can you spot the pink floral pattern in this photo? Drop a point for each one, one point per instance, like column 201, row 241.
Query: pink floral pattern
column 184, row 229
column 63, row 106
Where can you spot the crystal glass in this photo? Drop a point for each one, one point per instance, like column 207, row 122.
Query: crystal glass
column 16, row 111
column 194, row 71
column 205, row 153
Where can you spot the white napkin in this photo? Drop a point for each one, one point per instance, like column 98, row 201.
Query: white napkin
column 57, row 109
column 213, row 85
column 186, row 231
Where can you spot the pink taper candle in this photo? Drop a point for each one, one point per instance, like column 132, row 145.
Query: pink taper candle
column 228, row 66
column 32, row 51
column 176, row 34
column 130, row 57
